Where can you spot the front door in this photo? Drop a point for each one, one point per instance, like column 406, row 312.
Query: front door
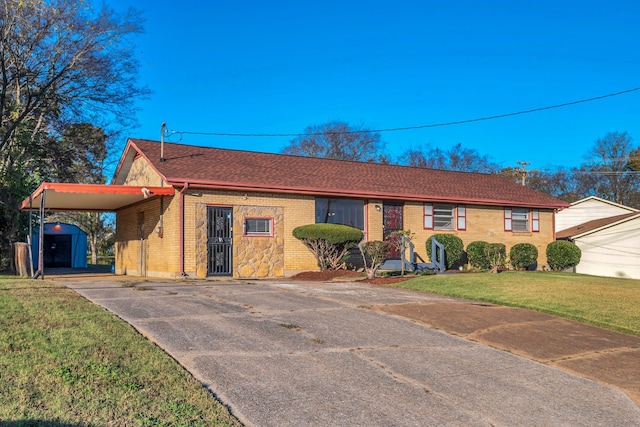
column 392, row 221
column 219, row 241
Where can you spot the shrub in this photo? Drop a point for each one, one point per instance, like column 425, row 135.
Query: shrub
column 376, row 251
column 477, row 255
column 496, row 255
column 329, row 243
column 523, row 255
column 562, row 254
column 453, row 248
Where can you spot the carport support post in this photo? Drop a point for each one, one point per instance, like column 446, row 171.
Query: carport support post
column 41, row 242
column 30, row 236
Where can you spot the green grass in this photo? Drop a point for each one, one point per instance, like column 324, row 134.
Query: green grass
column 65, row 361
column 607, row 302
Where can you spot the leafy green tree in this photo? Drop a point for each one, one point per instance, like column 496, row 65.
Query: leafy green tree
column 61, row 62
column 82, row 153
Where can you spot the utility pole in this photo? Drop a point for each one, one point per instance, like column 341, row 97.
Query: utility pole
column 523, row 171
column 163, row 129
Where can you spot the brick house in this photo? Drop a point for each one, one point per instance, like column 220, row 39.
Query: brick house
column 210, row 211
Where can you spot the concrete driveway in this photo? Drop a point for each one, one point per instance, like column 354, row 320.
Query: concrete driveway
column 303, row 354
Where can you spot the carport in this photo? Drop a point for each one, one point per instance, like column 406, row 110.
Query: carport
column 57, row 197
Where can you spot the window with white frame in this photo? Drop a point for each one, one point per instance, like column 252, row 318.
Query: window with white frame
column 258, row 226
column 521, row 220
column 442, row 216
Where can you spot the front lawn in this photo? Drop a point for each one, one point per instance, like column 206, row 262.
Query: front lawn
column 603, row 301
column 66, row 361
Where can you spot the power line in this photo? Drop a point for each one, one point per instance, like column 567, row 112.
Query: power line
column 578, row 172
column 433, row 125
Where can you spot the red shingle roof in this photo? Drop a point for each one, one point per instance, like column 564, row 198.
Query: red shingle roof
column 592, row 225
column 253, row 171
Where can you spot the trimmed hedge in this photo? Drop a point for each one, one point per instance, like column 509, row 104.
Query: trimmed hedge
column 330, row 233
column 453, row 248
column 477, row 255
column 523, row 255
column 329, row 243
column 562, row 254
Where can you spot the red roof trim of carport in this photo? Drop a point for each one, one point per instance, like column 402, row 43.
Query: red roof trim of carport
column 95, row 189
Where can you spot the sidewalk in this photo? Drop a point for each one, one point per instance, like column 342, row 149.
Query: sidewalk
column 605, row 356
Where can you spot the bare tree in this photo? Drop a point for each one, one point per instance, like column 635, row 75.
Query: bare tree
column 607, row 172
column 562, row 184
column 338, row 140
column 457, row 158
column 63, row 61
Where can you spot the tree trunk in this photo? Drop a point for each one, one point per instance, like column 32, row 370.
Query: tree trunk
column 94, row 253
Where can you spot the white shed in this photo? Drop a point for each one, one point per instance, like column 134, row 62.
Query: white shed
column 610, row 246
column 589, row 209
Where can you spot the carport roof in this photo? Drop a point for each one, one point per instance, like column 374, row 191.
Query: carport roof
column 90, row 197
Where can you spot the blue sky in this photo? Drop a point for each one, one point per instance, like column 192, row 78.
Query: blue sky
column 280, row 66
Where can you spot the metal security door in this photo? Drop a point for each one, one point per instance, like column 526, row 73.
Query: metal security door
column 392, row 221
column 219, row 241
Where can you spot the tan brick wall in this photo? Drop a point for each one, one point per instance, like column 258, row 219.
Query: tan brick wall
column 160, row 256
column 145, row 245
column 142, row 174
column 374, row 220
column 483, row 223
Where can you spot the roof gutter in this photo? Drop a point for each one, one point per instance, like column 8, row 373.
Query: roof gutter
column 363, row 195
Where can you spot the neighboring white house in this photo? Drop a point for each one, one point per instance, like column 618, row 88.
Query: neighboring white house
column 608, row 235
column 589, row 209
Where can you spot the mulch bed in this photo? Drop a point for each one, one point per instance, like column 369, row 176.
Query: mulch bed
column 329, row 275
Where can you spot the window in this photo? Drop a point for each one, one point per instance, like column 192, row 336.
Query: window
column 442, row 216
column 258, row 226
column 340, row 211
column 462, row 217
column 517, row 220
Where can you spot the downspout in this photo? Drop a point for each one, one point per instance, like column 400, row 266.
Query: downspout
column 184, row 188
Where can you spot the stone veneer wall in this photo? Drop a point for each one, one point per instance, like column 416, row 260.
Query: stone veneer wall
column 253, row 256
column 201, row 240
